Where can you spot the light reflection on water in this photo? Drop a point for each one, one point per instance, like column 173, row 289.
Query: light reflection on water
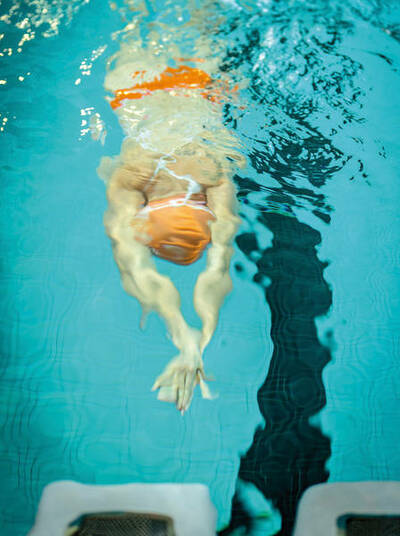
column 318, row 128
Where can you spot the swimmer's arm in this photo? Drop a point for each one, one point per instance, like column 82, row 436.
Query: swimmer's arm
column 139, row 276
column 215, row 283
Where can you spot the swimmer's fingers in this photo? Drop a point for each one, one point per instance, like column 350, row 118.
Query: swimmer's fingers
column 178, row 382
column 205, row 390
column 167, row 387
column 186, row 383
column 185, row 393
column 177, row 385
column 167, row 394
column 163, row 380
column 156, row 384
column 167, row 376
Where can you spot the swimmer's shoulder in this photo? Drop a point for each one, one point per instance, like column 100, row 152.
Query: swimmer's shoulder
column 132, row 169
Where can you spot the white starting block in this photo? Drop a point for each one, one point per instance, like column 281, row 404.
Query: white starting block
column 347, row 508
column 188, row 506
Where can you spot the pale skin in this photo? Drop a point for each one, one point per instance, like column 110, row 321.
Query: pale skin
column 155, row 291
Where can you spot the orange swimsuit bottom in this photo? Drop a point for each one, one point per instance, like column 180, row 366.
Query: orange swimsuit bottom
column 170, row 79
column 178, row 228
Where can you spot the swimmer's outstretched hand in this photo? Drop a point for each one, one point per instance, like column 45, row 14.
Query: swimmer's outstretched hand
column 179, row 379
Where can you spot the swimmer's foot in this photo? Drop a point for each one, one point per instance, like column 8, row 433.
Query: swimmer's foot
column 179, row 379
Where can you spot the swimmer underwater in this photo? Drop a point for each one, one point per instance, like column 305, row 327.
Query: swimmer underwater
column 170, row 192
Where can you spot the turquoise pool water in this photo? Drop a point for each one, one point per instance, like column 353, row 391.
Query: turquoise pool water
column 306, row 353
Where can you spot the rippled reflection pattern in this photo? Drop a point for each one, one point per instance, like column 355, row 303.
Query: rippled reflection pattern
column 311, row 88
column 308, row 340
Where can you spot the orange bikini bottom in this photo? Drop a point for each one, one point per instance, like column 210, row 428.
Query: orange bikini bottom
column 178, row 229
column 175, row 78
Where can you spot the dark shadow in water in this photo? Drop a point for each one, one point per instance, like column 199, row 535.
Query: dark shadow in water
column 292, row 159
column 289, row 454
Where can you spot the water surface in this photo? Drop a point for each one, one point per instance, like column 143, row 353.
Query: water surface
column 306, row 351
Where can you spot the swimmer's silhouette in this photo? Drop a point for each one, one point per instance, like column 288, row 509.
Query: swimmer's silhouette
column 170, row 194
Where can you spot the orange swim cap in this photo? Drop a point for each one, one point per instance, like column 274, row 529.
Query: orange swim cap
column 178, row 233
